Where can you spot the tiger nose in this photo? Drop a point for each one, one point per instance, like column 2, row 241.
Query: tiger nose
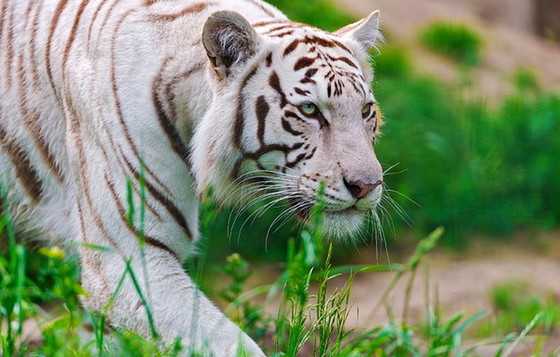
column 360, row 189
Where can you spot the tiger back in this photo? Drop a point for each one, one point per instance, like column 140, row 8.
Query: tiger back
column 164, row 99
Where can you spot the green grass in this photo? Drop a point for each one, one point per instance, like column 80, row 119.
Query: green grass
column 311, row 316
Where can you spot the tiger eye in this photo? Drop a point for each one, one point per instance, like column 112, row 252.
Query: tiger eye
column 366, row 109
column 308, row 109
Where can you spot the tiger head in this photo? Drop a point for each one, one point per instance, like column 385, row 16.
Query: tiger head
column 292, row 111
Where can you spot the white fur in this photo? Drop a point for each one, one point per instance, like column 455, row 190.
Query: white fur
column 130, row 47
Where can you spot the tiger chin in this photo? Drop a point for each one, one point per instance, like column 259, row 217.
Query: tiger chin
column 309, row 118
column 111, row 105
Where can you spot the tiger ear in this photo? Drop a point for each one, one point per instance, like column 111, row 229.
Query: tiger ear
column 365, row 32
column 229, row 40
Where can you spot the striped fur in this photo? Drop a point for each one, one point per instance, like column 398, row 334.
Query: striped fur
column 170, row 98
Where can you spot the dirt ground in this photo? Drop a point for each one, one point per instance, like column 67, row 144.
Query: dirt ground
column 464, row 278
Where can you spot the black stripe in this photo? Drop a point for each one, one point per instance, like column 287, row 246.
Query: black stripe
column 122, row 214
column 302, row 91
column 24, row 171
column 274, row 82
column 170, row 207
column 93, row 19
column 278, row 28
column 31, row 122
column 291, row 47
column 117, row 102
column 283, row 34
column 304, row 62
column 343, row 59
column 261, row 110
column 72, row 37
column 269, row 60
column 240, row 117
column 193, row 9
column 9, row 54
column 166, row 125
column 54, row 23
column 288, row 127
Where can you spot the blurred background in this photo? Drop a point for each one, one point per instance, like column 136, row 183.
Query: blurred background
column 470, row 91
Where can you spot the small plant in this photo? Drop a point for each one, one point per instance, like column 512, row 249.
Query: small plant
column 526, row 79
column 515, row 307
column 456, row 41
column 250, row 317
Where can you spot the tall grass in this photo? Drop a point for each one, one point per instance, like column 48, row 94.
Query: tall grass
column 311, row 319
column 12, row 273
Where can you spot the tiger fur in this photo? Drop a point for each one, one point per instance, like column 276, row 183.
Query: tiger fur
column 175, row 96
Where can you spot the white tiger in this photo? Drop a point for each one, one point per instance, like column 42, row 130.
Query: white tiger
column 176, row 96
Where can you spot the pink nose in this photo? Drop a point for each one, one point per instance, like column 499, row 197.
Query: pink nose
column 360, row 189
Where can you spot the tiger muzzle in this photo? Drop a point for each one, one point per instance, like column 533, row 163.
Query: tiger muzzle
column 360, row 189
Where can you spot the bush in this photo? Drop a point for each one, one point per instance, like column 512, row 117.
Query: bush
column 456, row 41
column 470, row 167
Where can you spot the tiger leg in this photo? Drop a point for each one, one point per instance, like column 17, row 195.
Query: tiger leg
column 177, row 309
column 167, row 294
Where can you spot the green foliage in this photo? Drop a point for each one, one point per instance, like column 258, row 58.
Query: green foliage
column 21, row 286
column 470, row 167
column 392, row 62
column 320, row 13
column 250, row 317
column 394, row 339
column 291, row 324
column 456, row 41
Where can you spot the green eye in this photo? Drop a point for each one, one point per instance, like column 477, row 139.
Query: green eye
column 308, row 109
column 366, row 109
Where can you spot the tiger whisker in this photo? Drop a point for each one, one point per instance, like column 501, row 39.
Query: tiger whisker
column 395, row 206
column 403, row 195
column 387, row 170
column 260, row 211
